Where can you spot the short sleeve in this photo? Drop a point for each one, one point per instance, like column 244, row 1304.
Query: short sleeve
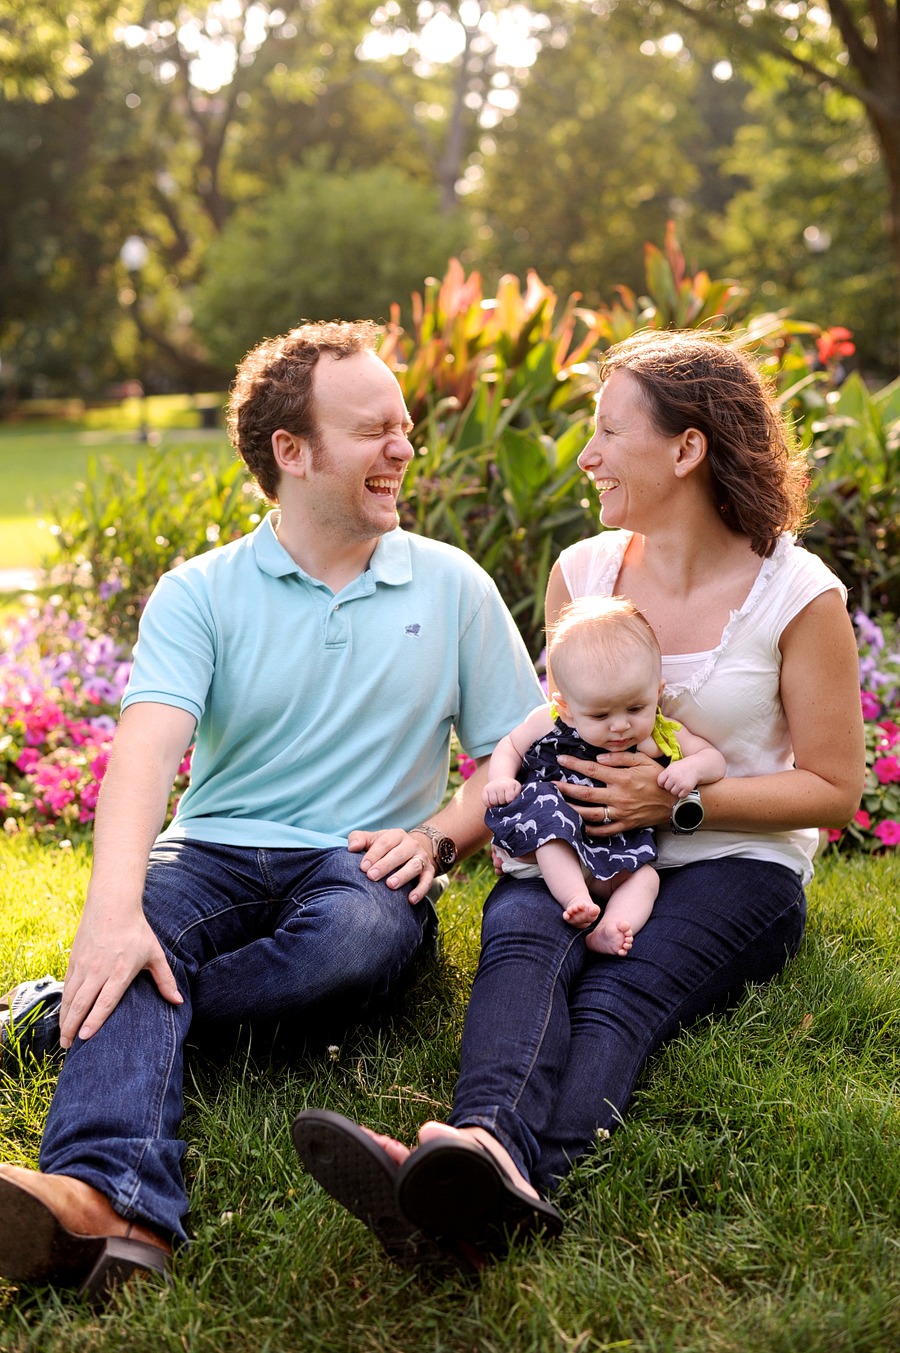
column 590, row 567
column 808, row 578
column 175, row 655
column 497, row 681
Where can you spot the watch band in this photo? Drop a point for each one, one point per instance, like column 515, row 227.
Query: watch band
column 444, row 846
column 687, row 814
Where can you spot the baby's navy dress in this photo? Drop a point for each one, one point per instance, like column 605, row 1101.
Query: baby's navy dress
column 540, row 813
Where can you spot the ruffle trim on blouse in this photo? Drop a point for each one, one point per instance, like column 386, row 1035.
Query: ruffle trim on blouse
column 766, row 573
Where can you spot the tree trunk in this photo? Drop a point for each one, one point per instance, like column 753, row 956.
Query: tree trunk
column 887, row 129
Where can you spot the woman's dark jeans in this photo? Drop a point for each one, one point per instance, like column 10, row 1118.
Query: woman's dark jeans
column 556, row 1037
column 251, row 936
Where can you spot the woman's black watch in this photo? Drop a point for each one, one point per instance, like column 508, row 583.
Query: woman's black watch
column 687, row 814
column 444, row 847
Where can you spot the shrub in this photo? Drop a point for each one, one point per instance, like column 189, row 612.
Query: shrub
column 855, row 455
column 124, row 529
column 323, row 246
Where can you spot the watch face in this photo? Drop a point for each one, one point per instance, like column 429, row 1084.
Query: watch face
column 444, row 852
column 687, row 814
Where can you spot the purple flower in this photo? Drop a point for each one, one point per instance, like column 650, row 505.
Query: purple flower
column 109, row 587
column 869, row 632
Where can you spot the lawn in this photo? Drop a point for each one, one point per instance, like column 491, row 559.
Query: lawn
column 750, row 1202
column 39, row 463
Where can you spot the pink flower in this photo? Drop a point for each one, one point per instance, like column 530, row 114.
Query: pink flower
column 870, row 706
column 888, row 832
column 891, row 732
column 887, row 768
column 465, row 765
column 28, row 759
column 834, row 834
column 862, row 819
column 185, row 767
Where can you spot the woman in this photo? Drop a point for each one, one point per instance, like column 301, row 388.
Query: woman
column 699, row 492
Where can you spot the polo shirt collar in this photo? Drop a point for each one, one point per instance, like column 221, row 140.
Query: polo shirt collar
column 390, row 562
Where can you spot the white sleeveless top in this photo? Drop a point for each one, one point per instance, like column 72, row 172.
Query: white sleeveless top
column 730, row 695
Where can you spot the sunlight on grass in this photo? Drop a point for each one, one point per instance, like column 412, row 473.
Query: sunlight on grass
column 22, row 542
column 749, row 1202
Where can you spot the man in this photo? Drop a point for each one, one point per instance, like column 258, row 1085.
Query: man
column 320, row 662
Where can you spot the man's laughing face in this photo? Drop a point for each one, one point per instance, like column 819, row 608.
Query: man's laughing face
column 362, row 449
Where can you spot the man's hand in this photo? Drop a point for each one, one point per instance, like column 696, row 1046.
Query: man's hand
column 399, row 854
column 106, row 956
column 498, row 792
column 113, row 942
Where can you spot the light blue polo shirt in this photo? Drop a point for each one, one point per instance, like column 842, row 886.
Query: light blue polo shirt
column 320, row 713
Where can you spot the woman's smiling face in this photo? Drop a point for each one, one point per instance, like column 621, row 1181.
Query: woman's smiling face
column 628, row 460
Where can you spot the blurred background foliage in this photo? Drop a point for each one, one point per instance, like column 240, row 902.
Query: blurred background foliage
column 238, row 139
column 501, row 391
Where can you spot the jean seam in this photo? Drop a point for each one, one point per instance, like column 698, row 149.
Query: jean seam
column 156, row 1127
column 262, row 859
column 551, row 987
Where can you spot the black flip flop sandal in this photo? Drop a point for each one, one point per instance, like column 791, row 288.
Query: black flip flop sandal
column 35, row 1247
column 456, row 1190
column 361, row 1177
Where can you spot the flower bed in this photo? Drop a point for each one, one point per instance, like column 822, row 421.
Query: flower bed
column 60, row 688
column 876, row 826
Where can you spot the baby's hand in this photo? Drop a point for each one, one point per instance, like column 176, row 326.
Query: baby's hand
column 678, row 779
column 497, row 792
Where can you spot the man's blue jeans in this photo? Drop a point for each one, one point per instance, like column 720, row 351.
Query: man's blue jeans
column 251, row 935
column 556, row 1037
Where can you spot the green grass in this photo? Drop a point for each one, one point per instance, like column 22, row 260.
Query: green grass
column 37, row 465
column 750, row 1202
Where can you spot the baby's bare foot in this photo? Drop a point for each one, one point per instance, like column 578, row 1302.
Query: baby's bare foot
column 581, row 913
column 611, row 937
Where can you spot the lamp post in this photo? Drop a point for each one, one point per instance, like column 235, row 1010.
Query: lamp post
column 134, row 255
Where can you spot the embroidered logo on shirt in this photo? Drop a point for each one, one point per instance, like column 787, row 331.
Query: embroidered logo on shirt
column 413, row 631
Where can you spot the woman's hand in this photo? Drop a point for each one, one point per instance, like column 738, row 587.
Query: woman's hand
column 631, row 797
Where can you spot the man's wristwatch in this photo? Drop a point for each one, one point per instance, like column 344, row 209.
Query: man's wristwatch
column 443, row 846
column 687, row 814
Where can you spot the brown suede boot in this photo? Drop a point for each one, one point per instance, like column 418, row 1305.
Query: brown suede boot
column 57, row 1229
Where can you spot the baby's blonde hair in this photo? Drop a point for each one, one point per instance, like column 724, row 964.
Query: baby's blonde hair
column 594, row 631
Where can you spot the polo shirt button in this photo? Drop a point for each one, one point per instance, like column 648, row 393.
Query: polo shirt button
column 337, row 608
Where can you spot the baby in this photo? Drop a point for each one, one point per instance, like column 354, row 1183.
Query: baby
column 605, row 660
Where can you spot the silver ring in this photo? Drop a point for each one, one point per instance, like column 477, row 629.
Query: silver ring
column 606, row 817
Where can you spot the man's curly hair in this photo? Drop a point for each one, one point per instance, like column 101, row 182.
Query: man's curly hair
column 274, row 389
column 693, row 380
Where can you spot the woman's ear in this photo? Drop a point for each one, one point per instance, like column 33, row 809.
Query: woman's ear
column 691, row 452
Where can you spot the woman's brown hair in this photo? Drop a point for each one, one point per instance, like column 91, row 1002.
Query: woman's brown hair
column 690, row 380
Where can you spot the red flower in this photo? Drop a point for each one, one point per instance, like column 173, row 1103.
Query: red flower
column 887, row 768
column 891, row 732
column 834, row 343
column 862, row 819
column 834, row 834
column 888, row 832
